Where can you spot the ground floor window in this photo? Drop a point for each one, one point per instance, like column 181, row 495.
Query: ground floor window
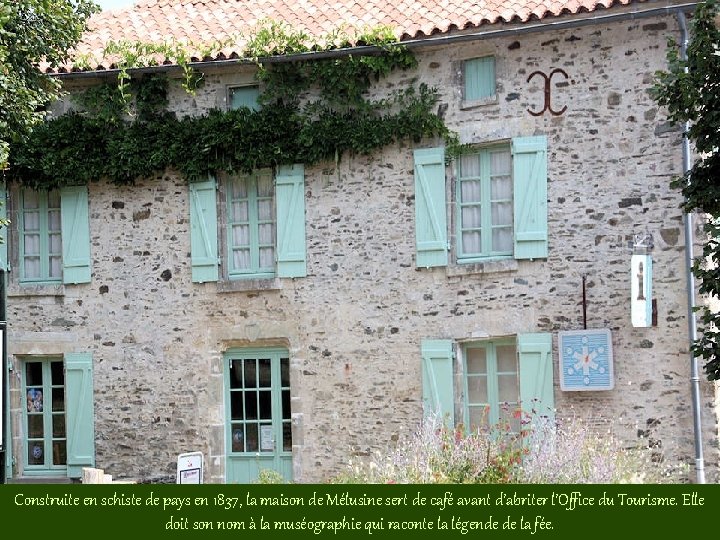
column 492, row 387
column 44, row 414
column 504, row 380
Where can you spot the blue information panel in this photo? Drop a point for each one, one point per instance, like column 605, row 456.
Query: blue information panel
column 586, row 360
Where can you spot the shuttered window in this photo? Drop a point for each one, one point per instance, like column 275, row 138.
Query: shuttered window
column 500, row 208
column 263, row 227
column 54, row 236
column 243, row 96
column 479, row 78
column 500, row 381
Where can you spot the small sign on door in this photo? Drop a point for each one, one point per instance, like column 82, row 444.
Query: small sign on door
column 190, row 468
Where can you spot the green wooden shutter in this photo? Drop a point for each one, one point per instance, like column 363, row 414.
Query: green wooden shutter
column 290, row 204
column 80, row 412
column 244, row 96
column 430, row 208
column 4, row 263
column 479, row 78
column 536, row 374
column 75, row 230
column 530, row 192
column 203, row 231
column 437, row 379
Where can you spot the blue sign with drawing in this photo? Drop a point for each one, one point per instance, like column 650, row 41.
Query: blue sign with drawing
column 586, row 360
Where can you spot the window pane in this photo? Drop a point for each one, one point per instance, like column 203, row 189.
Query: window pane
column 471, row 191
column 265, row 209
column 476, row 361
column 35, row 426
column 469, row 165
column 33, row 374
column 251, row 406
column 508, row 389
column 241, row 235
column 472, row 242
column 471, row 217
column 251, row 438
column 236, row 374
column 58, row 373
column 55, row 267
column 500, row 162
column 31, row 199
column 477, row 389
column 478, row 416
column 265, row 378
column 265, row 405
column 286, row 404
column 32, row 268
column 36, row 453
column 54, row 220
column 502, row 213
column 503, row 239
column 267, row 438
column 31, row 221
column 285, row 372
column 236, row 406
column 58, row 399
column 250, row 374
column 501, row 187
column 53, row 199
column 267, row 257
column 237, row 434
column 264, row 185
column 55, row 244
column 32, row 244
column 239, row 188
column 241, row 259
column 266, row 233
column 59, row 455
column 287, row 437
column 34, row 400
column 239, row 211
column 506, row 358
column 58, row 422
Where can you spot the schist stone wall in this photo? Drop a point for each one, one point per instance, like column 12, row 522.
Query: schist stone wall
column 353, row 326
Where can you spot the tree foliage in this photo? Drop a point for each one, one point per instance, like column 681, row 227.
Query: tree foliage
column 690, row 90
column 31, row 32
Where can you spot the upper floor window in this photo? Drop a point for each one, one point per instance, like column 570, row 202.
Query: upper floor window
column 251, row 225
column 40, row 236
column 261, row 217
column 479, row 79
column 53, row 236
column 500, row 206
column 243, row 96
column 485, row 204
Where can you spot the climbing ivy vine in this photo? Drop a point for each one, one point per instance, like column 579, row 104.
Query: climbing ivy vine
column 311, row 110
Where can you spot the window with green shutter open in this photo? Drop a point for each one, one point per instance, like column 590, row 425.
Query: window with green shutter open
column 54, row 236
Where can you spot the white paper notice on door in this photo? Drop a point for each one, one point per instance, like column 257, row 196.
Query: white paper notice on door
column 267, row 440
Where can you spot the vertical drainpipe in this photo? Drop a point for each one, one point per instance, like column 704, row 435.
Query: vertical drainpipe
column 692, row 323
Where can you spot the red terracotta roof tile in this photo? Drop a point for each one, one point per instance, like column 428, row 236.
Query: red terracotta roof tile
column 203, row 21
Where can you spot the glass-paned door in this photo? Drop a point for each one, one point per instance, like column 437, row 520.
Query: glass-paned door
column 259, row 434
column 44, row 416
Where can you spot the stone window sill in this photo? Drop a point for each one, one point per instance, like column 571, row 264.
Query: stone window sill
column 479, row 268
column 29, row 290
column 475, row 103
column 249, row 285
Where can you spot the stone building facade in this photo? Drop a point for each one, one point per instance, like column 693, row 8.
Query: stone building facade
column 348, row 338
